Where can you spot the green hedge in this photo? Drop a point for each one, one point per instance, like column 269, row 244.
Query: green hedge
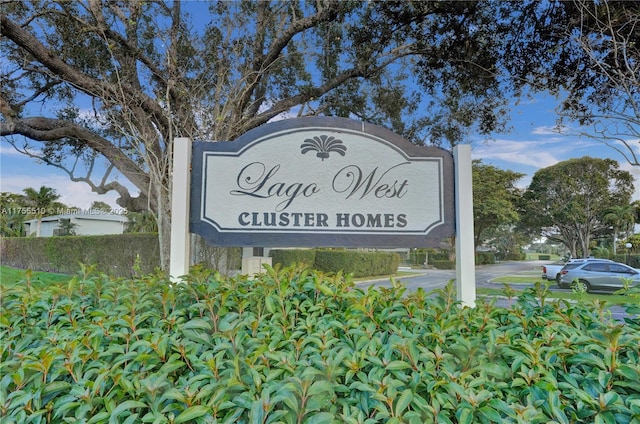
column 485, row 258
column 443, row 264
column 116, row 254
column 437, row 256
column 360, row 264
column 516, row 256
column 297, row 347
column 633, row 260
column 288, row 257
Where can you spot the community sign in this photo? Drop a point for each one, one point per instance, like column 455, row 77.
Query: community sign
column 311, row 182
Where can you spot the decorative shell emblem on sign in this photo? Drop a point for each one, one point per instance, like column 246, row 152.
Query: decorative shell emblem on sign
column 323, row 145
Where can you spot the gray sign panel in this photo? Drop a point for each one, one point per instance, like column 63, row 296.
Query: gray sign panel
column 311, row 182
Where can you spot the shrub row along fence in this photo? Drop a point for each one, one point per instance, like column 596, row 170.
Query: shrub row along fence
column 116, row 254
column 124, row 255
column 357, row 263
column 119, row 255
column 631, row 260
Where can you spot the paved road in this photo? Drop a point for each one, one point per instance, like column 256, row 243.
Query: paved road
column 432, row 279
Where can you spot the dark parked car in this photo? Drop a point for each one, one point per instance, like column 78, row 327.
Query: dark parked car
column 594, row 274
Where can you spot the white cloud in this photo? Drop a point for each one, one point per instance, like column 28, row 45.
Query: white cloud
column 535, row 154
column 8, row 150
column 635, row 172
column 528, row 156
column 541, row 152
column 546, row 130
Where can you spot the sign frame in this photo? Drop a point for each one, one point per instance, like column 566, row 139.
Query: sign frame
column 379, row 137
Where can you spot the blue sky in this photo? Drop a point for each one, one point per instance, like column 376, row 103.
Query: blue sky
column 529, row 146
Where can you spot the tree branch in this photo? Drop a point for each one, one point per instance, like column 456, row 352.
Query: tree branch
column 359, row 71
column 84, row 83
column 47, row 129
column 133, row 204
column 263, row 62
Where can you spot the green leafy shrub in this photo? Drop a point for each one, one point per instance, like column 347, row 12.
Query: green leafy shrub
column 116, row 254
column 437, row 255
column 358, row 263
column 484, row 258
column 444, row 264
column 417, row 257
column 288, row 257
column 515, row 256
column 633, row 260
column 295, row 346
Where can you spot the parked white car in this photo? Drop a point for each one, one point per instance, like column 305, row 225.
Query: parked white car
column 552, row 271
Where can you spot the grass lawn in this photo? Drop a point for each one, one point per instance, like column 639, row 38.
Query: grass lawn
column 527, row 277
column 609, row 299
column 518, row 279
column 9, row 277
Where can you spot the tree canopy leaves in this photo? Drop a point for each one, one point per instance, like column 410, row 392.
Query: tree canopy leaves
column 495, row 197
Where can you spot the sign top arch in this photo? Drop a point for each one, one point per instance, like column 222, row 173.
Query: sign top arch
column 320, row 181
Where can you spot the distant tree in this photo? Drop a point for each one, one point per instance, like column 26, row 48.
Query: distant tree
column 506, row 239
column 636, row 211
column 11, row 218
column 566, row 201
column 495, row 198
column 621, row 218
column 12, row 222
column 65, row 228
column 9, row 200
column 634, row 239
column 600, row 252
column 42, row 201
column 100, row 206
column 141, row 222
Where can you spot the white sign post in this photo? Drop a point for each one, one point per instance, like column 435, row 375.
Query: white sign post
column 180, row 189
column 465, row 249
